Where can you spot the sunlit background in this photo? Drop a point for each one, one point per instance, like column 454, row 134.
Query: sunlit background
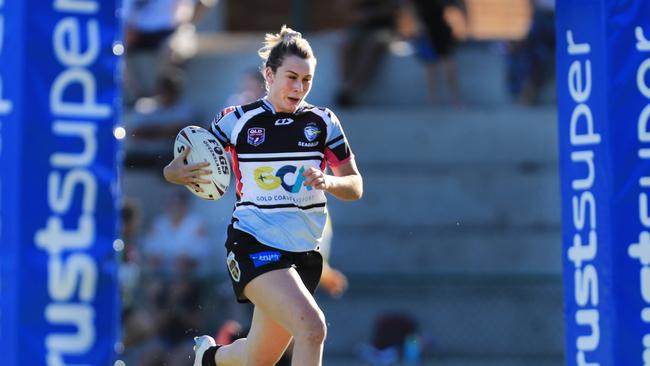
column 453, row 256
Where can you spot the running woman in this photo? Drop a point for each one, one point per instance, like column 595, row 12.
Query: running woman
column 280, row 147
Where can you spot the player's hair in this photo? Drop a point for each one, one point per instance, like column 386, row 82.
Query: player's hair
column 288, row 42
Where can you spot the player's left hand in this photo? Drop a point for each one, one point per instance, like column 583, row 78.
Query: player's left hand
column 316, row 178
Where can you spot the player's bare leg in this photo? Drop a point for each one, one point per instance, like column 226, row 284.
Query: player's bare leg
column 264, row 345
column 283, row 307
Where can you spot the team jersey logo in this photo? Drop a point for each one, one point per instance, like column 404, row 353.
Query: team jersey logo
column 283, row 121
column 233, row 267
column 312, row 131
column 256, row 136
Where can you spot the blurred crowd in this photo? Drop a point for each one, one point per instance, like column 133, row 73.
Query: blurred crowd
column 161, row 36
column 169, row 266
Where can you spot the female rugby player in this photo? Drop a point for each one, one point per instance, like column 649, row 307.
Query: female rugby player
column 280, row 146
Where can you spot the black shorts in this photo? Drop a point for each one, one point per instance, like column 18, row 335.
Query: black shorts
column 247, row 258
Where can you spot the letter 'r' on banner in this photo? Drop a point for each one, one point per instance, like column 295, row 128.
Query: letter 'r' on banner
column 59, row 302
column 603, row 81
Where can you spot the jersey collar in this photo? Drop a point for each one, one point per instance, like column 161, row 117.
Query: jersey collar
column 269, row 106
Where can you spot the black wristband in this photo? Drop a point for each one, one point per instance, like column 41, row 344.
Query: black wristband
column 208, row 356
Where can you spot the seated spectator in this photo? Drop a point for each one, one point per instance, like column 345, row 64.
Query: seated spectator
column 396, row 336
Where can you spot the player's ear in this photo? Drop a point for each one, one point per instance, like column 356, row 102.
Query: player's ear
column 268, row 75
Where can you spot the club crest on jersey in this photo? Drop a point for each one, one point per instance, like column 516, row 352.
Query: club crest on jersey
column 233, row 267
column 311, row 131
column 256, row 136
column 311, row 134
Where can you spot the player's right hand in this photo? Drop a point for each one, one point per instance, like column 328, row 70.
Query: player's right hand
column 178, row 172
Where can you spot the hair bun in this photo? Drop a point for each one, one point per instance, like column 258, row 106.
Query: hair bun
column 290, row 34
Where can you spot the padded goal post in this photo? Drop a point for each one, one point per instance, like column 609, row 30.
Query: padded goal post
column 603, row 81
column 59, row 302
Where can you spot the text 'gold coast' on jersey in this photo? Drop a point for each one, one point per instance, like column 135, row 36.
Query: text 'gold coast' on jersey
column 270, row 151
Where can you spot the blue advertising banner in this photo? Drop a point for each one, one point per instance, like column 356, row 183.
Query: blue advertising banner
column 10, row 144
column 58, row 183
column 603, row 81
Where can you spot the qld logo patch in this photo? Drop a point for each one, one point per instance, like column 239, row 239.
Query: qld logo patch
column 312, row 131
column 233, row 267
column 262, row 258
column 256, row 136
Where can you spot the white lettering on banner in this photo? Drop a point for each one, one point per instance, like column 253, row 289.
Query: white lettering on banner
column 86, row 108
column 69, row 27
column 77, row 6
column 87, row 132
column 582, row 138
column 72, row 272
column 641, row 249
column 81, row 318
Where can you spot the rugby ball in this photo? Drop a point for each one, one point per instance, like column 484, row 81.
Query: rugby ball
column 205, row 148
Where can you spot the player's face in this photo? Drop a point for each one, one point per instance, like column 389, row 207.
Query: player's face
column 291, row 83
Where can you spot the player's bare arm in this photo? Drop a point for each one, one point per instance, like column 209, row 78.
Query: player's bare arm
column 346, row 183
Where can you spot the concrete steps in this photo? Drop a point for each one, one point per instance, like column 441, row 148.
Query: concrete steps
column 460, row 226
column 466, row 316
column 475, row 190
column 426, row 250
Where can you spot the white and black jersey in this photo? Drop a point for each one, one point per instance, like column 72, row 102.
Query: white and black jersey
column 270, row 150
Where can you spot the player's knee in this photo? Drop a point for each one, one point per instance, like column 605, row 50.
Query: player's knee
column 317, row 333
column 313, row 328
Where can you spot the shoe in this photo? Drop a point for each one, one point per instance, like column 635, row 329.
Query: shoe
column 201, row 344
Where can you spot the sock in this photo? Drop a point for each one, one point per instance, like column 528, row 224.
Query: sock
column 208, row 356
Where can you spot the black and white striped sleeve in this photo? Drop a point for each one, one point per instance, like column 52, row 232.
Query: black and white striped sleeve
column 222, row 125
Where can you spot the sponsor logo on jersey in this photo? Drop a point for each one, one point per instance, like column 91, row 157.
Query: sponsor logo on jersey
column 233, row 267
column 283, row 121
column 256, row 136
column 262, row 258
column 268, row 179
